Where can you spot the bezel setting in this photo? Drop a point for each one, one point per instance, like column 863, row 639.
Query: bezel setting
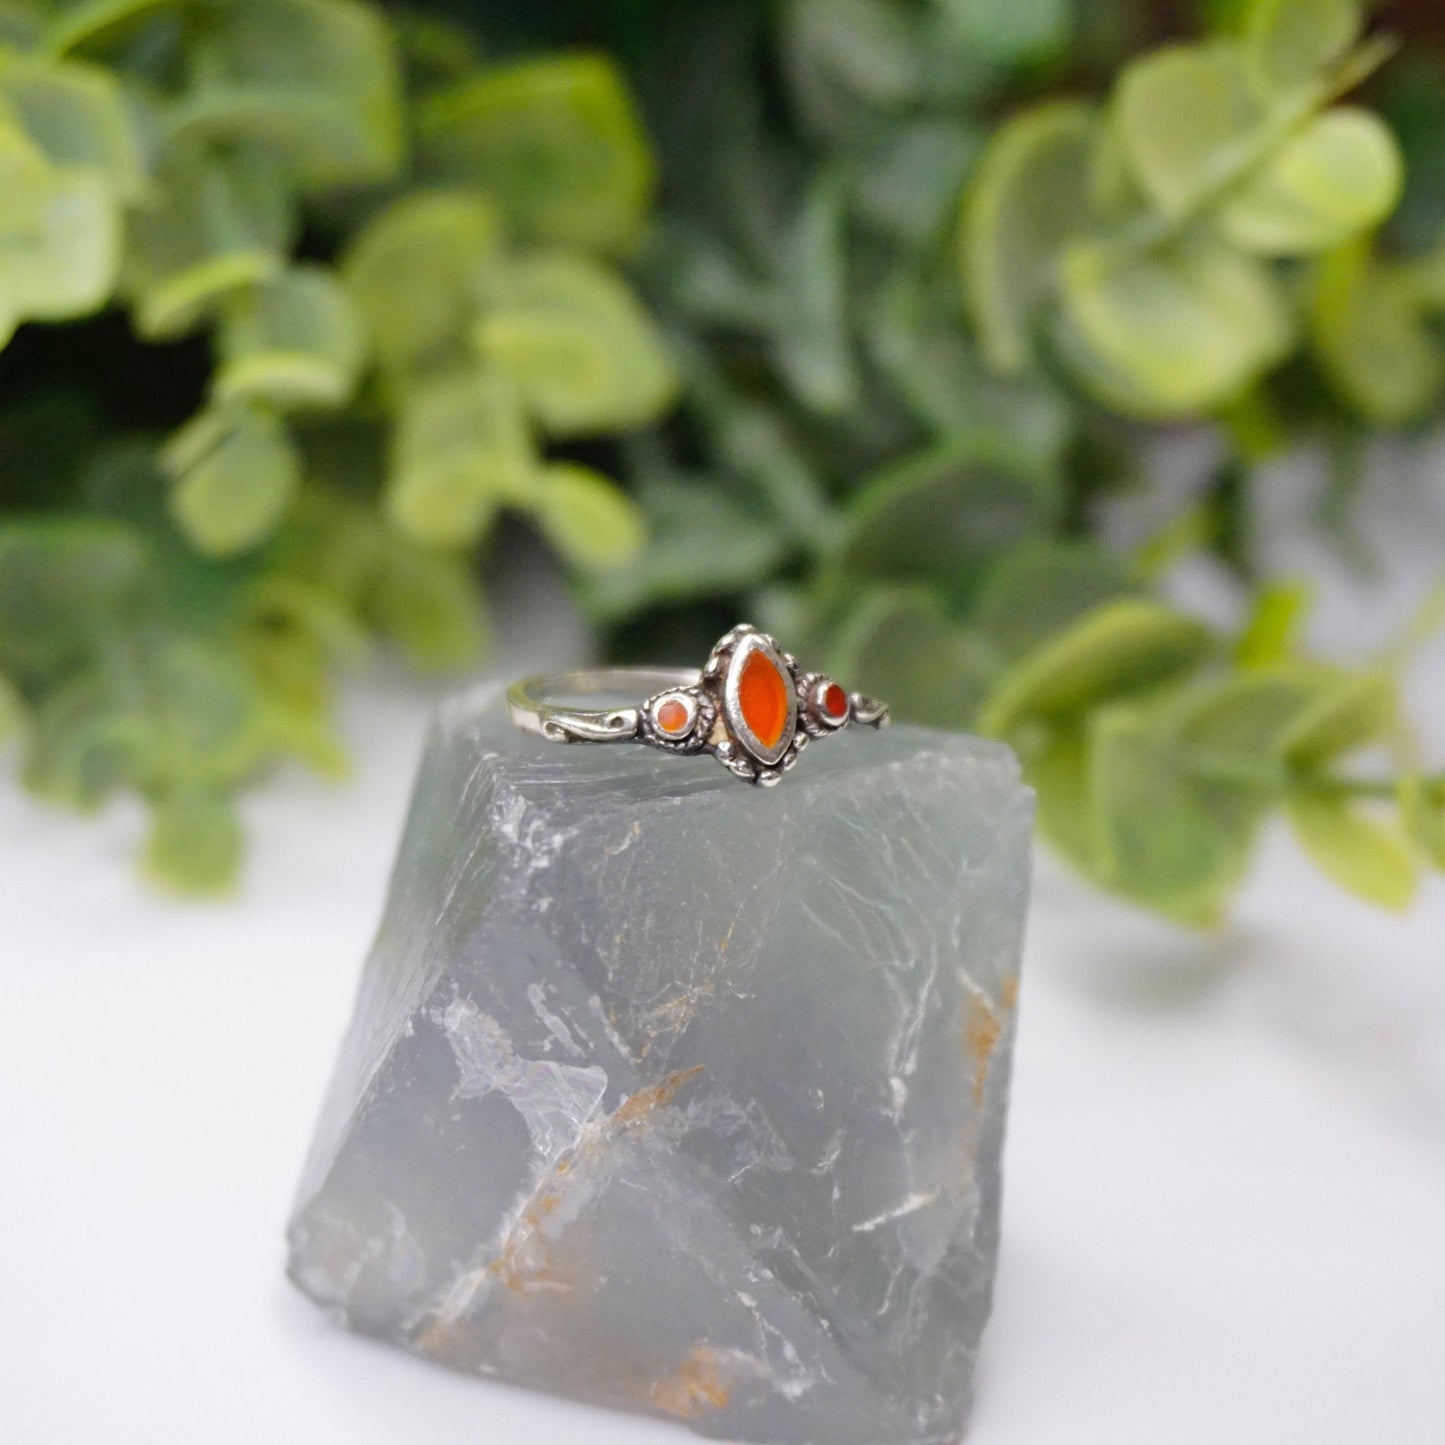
column 820, row 694
column 733, row 742
column 693, row 736
column 748, row 646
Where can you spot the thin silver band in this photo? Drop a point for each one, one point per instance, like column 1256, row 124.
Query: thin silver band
column 751, row 707
column 534, row 713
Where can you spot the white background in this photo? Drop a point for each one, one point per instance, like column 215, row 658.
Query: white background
column 1225, row 1202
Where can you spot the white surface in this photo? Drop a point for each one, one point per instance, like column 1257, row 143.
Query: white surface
column 1225, row 1202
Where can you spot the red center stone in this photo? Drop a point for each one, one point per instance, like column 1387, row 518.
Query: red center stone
column 763, row 699
column 835, row 701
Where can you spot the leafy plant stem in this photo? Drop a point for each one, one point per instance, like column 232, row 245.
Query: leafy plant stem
column 1152, row 232
column 1431, row 789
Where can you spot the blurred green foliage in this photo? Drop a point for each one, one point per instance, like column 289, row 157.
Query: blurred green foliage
column 404, row 260
column 920, row 278
column 929, row 302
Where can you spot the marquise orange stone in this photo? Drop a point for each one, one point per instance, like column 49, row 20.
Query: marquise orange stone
column 763, row 699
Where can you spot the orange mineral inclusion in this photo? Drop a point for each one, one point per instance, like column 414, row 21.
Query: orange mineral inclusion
column 763, row 699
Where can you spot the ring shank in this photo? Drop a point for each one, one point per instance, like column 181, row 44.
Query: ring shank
column 533, row 709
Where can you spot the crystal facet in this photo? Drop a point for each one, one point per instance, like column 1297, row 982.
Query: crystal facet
column 679, row 1096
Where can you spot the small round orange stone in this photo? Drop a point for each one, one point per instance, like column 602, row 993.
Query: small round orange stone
column 672, row 716
column 763, row 699
column 835, row 701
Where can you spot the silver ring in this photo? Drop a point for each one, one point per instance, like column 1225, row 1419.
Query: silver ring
column 751, row 706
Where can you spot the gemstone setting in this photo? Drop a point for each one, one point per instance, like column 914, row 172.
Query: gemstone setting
column 751, row 707
column 760, row 699
column 829, row 703
column 678, row 720
column 674, row 717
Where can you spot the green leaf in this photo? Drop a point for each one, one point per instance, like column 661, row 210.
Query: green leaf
column 1037, row 589
column 1058, row 772
column 1353, row 711
column 81, row 747
column 1172, row 334
column 205, row 723
column 97, row 24
column 1169, row 839
column 587, row 517
column 1339, row 176
column 314, row 81
column 61, row 580
column 461, row 449
column 1425, row 278
column 810, row 339
column 900, row 644
column 291, row 600
column 412, row 272
column 844, row 57
column 702, row 541
column 219, row 219
column 22, row 24
column 1241, row 725
column 59, row 238
column 942, row 513
column 430, row 603
column 909, row 173
column 1289, row 42
column 935, row 368
column 1360, row 854
column 293, row 339
column 1422, row 807
column 1030, row 196
column 1182, row 113
column 76, row 115
column 1372, row 338
column 12, row 710
column 291, row 676
column 1271, row 632
column 763, row 449
column 196, row 844
column 1116, row 649
column 1018, row 32
column 1115, row 195
column 236, row 472
column 581, row 351
column 556, row 142
column 1117, row 386
column 158, row 710
column 434, row 51
column 1413, row 104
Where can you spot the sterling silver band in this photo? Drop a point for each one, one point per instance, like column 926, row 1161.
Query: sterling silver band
column 751, row 706
column 533, row 713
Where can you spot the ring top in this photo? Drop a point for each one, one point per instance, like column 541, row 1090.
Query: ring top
column 751, row 706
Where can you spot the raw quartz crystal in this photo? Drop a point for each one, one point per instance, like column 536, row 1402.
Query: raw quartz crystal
column 678, row 1095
